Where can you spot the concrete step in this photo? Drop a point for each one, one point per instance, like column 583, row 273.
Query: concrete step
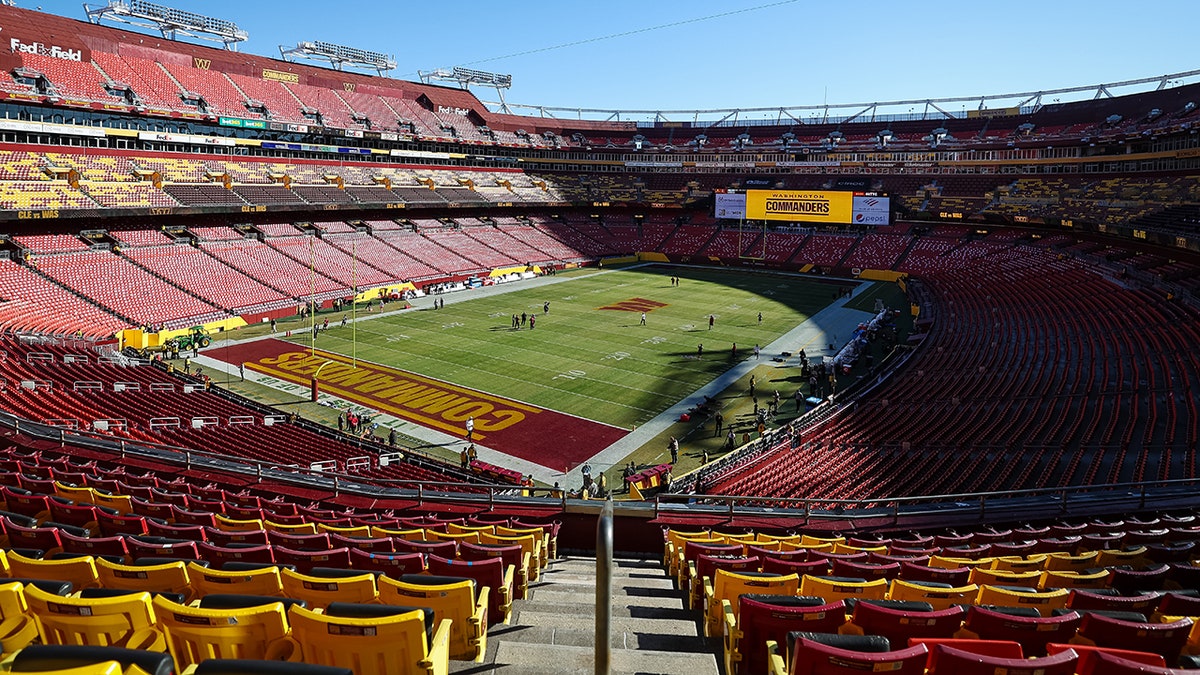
column 554, row 600
column 527, row 658
column 686, row 627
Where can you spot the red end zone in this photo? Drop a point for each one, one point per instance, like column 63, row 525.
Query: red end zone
column 545, row 437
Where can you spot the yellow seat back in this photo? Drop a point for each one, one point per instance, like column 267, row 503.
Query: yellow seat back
column 123, row 504
column 459, row 601
column 1135, row 557
column 80, row 571
column 122, row 621
column 529, row 543
column 434, row 535
column 940, row 598
column 194, row 634
column 205, row 581
column 1068, row 580
column 728, row 585
column 290, row 528
column 981, row 576
column 1045, row 603
column 227, row 524
column 393, row 645
column 833, row 590
column 417, row 534
column 1065, row 562
column 808, row 540
column 1016, row 563
column 169, row 577
column 952, row 563
column 352, row 531
column 318, row 592
column 79, row 495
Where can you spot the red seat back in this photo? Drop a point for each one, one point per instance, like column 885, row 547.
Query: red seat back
column 950, row 661
column 814, row 658
column 772, row 618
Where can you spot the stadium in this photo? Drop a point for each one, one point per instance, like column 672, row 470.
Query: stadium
column 308, row 370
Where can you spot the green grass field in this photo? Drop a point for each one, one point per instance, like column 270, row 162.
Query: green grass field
column 595, row 363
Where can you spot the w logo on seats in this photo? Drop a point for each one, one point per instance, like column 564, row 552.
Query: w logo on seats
column 202, row 64
column 635, row 305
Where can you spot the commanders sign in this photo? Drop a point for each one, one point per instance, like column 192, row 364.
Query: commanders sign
column 799, row 205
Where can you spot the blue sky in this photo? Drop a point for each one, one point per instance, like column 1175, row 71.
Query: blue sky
column 754, row 53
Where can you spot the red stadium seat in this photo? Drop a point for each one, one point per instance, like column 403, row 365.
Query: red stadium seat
column 947, row 660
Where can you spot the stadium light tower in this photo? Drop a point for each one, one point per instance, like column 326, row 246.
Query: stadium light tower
column 168, row 21
column 465, row 77
column 339, row 56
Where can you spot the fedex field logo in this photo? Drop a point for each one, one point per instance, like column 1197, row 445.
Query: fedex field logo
column 635, row 305
column 53, row 51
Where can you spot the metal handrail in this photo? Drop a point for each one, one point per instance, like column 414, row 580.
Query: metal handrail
column 604, row 565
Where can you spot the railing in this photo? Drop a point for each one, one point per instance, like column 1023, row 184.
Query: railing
column 604, row 565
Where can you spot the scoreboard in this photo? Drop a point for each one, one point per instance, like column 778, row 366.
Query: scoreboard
column 807, row 206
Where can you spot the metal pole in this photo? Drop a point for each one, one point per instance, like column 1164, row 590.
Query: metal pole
column 604, row 563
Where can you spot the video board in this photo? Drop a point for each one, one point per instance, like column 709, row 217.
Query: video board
column 807, row 206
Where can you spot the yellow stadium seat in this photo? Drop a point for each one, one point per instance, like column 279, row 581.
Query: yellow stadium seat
column 262, row 581
column 377, row 645
column 791, row 538
column 169, row 577
column 727, row 585
column 952, row 563
column 434, row 535
column 74, row 493
column 319, row 591
column 123, row 621
column 1068, row 580
column 194, row 634
column 17, row 627
column 417, row 534
column 797, row 546
column 234, row 525
column 455, row 528
column 536, row 532
column 1065, row 562
column 123, row 504
column 842, row 548
column 290, row 528
column 353, row 531
column 453, row 598
column 940, row 598
column 807, row 540
column 1044, row 603
column 671, row 541
column 833, row 588
column 981, row 576
column 1015, row 563
column 1135, row 557
column 80, row 571
column 104, row 668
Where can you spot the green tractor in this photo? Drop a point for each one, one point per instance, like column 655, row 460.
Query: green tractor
column 195, row 338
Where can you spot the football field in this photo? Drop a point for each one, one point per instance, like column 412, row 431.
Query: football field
column 573, row 377
column 589, row 355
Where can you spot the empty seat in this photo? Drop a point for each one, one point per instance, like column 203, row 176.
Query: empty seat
column 727, row 585
column 938, row 596
column 122, row 621
column 771, row 617
column 839, row 588
column 1033, row 633
column 871, row 617
column 80, row 571
column 1165, row 639
column 1004, row 596
column 262, row 581
column 89, row 660
column 454, row 598
column 320, row 590
column 380, row 640
column 194, row 634
column 169, row 577
column 810, row 657
column 950, row 661
column 17, row 627
column 491, row 573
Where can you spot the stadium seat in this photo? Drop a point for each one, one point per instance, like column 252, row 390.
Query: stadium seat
column 947, row 660
column 252, row 667
column 898, row 625
column 703, row 567
column 841, row 588
column 939, row 597
column 194, row 634
column 1007, row 596
column 512, row 555
column 455, row 598
column 378, row 640
column 80, row 571
column 957, row 576
column 1032, row 632
column 1164, row 639
column 319, row 590
column 810, row 657
column 728, row 585
column 491, row 573
column 1088, row 652
column 772, row 617
column 171, row 577
column 1105, row 663
column 262, row 581
column 390, row 564
column 122, row 621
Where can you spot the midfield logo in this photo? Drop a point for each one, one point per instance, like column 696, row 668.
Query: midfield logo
column 635, row 305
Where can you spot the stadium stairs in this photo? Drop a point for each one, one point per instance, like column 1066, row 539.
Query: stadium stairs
column 553, row 632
